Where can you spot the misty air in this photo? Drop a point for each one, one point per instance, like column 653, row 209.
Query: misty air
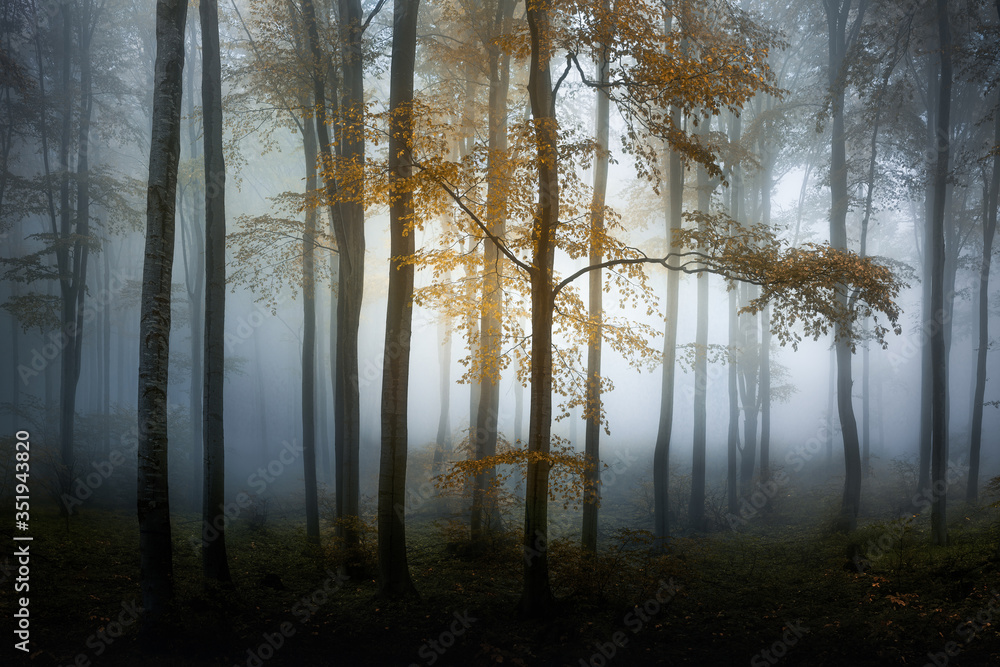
column 505, row 332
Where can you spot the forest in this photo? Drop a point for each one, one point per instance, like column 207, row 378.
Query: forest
column 490, row 332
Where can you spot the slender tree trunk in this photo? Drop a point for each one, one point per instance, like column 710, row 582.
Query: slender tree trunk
column 261, row 401
column 214, row 559
column 349, row 229
column 105, row 361
column 394, row 573
column 68, row 372
column 733, row 437
column 837, row 19
column 766, row 187
column 593, row 407
column 536, row 597
column 153, row 501
column 749, row 370
column 194, row 274
column 309, row 342
column 518, row 408
column 927, row 314
column 443, row 441
column 485, row 515
column 990, row 196
column 661, row 451
column 696, row 507
column 939, row 361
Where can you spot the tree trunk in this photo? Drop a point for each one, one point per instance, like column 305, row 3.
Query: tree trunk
column 927, row 314
column 349, row 229
column 309, row 341
column 214, row 559
column 733, row 437
column 939, row 361
column 749, row 375
column 766, row 186
column 536, row 597
column 592, row 409
column 990, row 196
column 194, row 276
column 837, row 20
column 154, row 324
column 393, row 571
column 696, row 507
column 485, row 514
column 443, row 441
column 661, row 452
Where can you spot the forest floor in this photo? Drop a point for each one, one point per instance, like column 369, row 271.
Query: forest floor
column 781, row 588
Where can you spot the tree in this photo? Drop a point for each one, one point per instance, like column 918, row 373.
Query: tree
column 990, row 201
column 592, row 409
column 394, row 573
column 935, row 252
column 153, row 502
column 214, row 559
column 800, row 282
column 484, row 514
column 348, row 222
column 843, row 33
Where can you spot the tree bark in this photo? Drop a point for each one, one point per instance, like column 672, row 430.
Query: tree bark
column 936, row 252
column 309, row 341
column 349, row 229
column 839, row 41
column 393, row 572
column 194, row 279
column 214, row 559
column 696, row 507
column 153, row 502
column 536, row 596
column 733, row 436
column 592, row 409
column 990, row 196
column 485, row 515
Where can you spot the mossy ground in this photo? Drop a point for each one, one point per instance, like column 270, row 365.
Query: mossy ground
column 781, row 576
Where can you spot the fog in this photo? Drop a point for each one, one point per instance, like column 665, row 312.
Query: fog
column 729, row 151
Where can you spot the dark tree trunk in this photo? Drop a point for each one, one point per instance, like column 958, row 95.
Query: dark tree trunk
column 349, row 229
column 838, row 14
column 733, row 437
column 393, row 572
column 442, row 445
column 696, row 507
column 485, row 516
column 661, row 452
column 592, row 410
column 214, row 559
column 194, row 274
column 939, row 361
column 153, row 504
column 309, row 341
column 990, row 196
column 536, row 597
